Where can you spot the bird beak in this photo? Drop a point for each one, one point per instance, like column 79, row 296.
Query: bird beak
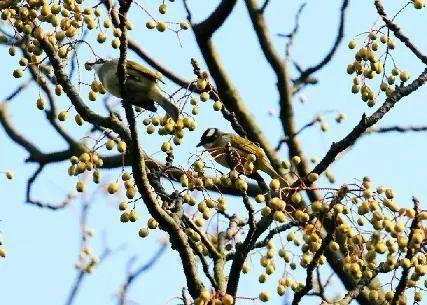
column 200, row 144
column 89, row 65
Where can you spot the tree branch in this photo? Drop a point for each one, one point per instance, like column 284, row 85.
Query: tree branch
column 366, row 122
column 398, row 33
column 209, row 26
column 178, row 238
column 340, row 35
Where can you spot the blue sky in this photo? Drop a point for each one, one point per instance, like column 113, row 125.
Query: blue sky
column 43, row 245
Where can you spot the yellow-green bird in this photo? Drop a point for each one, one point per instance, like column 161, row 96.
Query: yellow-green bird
column 142, row 85
column 216, row 141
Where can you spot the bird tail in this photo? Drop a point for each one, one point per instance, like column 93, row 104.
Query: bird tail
column 268, row 169
column 171, row 109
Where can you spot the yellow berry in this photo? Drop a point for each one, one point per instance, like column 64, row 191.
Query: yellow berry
column 123, row 206
column 227, row 300
column 79, row 120
column 260, row 198
column 41, row 103
column 184, row 25
column 18, row 73
column 312, row 177
column 264, row 296
column 241, row 185
column 143, row 232
column 110, row 144
column 217, row 106
column 62, row 116
column 121, row 147
column 333, row 246
column 133, row 216
column 404, row 76
column 9, row 175
column 80, row 186
column 125, row 216
column 201, row 84
column 115, row 43
column 152, row 223
column 161, row 26
column 166, row 146
column 204, row 96
column 296, row 198
column 352, row 44
column 275, row 184
column 419, row 4
column 113, row 187
column 151, row 25
column 163, row 8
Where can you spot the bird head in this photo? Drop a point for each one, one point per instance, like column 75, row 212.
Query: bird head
column 209, row 137
column 97, row 64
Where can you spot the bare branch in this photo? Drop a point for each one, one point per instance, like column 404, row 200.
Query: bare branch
column 40, row 204
column 398, row 32
column 275, row 231
column 131, row 277
column 264, row 6
column 14, row 134
column 340, row 35
column 398, row 129
column 366, row 122
column 294, row 32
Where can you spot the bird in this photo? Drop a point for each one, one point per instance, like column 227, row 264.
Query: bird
column 239, row 151
column 142, row 85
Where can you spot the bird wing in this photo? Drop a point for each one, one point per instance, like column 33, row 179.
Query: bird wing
column 249, row 147
column 135, row 71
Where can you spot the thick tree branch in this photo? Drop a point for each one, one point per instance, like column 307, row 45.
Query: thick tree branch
column 178, row 237
column 283, row 84
column 209, row 26
column 231, row 98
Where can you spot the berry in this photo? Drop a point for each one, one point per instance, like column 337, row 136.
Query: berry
column 18, row 73
column 41, row 103
column 275, row 184
column 79, row 120
column 80, row 186
column 352, row 44
column 133, row 216
column 264, row 296
column 9, row 175
column 113, row 187
column 184, row 25
column 151, row 25
column 419, row 4
column 62, row 116
column 110, row 144
column 163, row 8
column 143, row 232
column 121, row 147
column 161, row 26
